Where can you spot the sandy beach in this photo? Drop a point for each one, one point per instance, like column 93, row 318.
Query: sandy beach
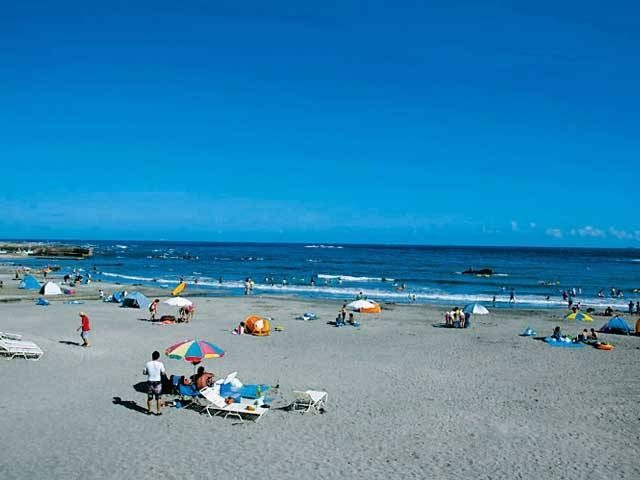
column 406, row 399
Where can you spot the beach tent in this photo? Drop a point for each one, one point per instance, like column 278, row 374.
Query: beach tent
column 117, row 297
column 136, row 300
column 50, row 288
column 364, row 306
column 257, row 326
column 29, row 282
column 581, row 317
column 616, row 325
column 476, row 309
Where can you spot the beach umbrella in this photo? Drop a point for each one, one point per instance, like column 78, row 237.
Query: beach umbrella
column 476, row 309
column 581, row 317
column 194, row 351
column 178, row 302
column 358, row 304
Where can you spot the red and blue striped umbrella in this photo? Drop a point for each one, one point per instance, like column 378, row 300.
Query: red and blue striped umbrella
column 194, row 351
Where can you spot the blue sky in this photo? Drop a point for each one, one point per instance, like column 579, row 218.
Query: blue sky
column 487, row 123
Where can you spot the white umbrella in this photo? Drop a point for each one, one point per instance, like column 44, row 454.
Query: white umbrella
column 178, row 302
column 476, row 309
column 358, row 304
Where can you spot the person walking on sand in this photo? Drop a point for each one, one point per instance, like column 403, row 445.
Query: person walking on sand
column 154, row 370
column 153, row 309
column 85, row 327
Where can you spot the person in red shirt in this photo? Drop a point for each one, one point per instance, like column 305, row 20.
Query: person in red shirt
column 85, row 327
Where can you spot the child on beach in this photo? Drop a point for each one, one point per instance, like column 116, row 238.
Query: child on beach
column 153, row 309
column 239, row 330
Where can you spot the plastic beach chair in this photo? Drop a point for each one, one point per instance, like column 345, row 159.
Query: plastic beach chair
column 216, row 405
column 309, row 400
column 18, row 348
column 10, row 336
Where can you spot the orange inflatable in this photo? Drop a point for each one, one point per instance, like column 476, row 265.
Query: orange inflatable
column 374, row 309
column 604, row 346
column 257, row 326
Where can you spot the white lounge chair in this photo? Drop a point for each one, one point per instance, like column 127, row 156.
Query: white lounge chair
column 309, row 400
column 11, row 336
column 216, row 405
column 19, row 348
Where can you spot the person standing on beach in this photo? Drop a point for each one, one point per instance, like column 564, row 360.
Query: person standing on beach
column 153, row 309
column 512, row 296
column 154, row 370
column 85, row 327
column 343, row 312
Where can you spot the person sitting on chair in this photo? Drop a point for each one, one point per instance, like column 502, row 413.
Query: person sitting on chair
column 203, row 378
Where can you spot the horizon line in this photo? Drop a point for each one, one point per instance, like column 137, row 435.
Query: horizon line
column 335, row 244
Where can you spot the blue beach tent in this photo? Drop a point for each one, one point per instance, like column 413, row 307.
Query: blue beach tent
column 29, row 282
column 117, row 297
column 616, row 325
column 136, row 300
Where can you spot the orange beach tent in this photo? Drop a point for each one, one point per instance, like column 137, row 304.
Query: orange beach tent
column 257, row 326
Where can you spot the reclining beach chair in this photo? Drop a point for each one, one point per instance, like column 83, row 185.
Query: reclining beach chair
column 216, row 405
column 11, row 336
column 18, row 348
column 309, row 400
column 185, row 392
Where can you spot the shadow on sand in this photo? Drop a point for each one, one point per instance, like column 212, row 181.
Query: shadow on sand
column 130, row 404
column 69, row 342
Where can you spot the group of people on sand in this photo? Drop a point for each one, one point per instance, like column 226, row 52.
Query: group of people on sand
column 185, row 314
column 585, row 336
column 456, row 318
column 156, row 373
column 341, row 319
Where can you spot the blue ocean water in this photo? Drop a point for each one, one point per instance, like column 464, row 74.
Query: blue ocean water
column 433, row 274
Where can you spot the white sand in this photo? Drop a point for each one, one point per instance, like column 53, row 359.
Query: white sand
column 406, row 400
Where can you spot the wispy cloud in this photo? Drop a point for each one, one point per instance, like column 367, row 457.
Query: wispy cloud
column 532, row 224
column 514, row 226
column 624, row 235
column 589, row 231
column 554, row 232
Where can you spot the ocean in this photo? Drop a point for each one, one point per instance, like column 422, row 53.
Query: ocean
column 386, row 273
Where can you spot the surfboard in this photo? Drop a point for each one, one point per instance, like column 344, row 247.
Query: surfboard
column 178, row 290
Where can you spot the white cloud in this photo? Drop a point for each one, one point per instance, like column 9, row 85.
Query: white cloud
column 554, row 232
column 590, row 231
column 532, row 224
column 624, row 235
column 514, row 225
